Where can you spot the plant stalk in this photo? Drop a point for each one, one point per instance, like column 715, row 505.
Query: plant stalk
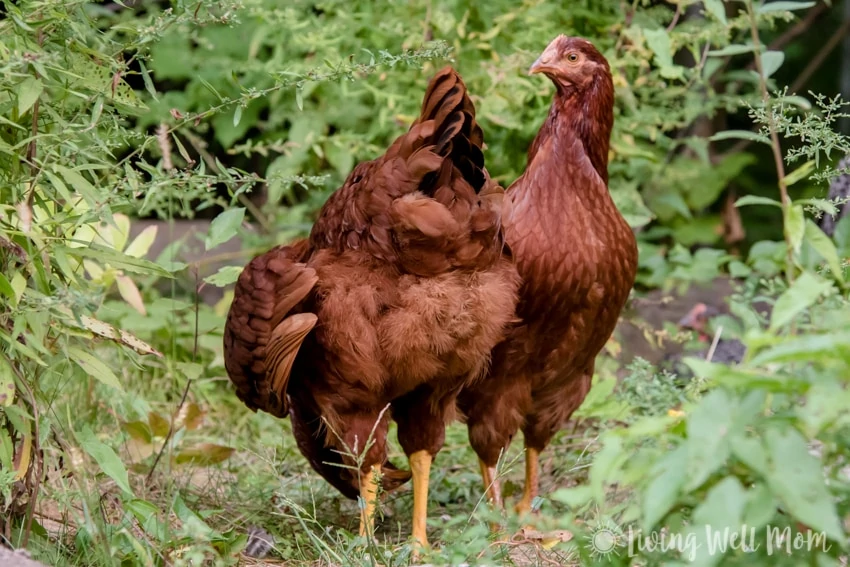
column 775, row 145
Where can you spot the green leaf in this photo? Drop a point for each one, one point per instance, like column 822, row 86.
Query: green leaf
column 749, row 451
column 604, row 463
column 574, row 497
column 708, row 437
column 771, row 61
column 7, row 290
column 668, row 477
column 722, row 510
column 28, row 92
column 237, row 116
column 826, row 401
column 105, row 457
column 761, row 506
column 147, row 515
column 756, row 200
column 825, row 247
column 795, row 226
column 733, row 49
column 805, row 348
column 146, row 77
column 94, row 367
column 299, row 98
column 224, row 227
column 800, row 173
column 768, row 7
column 796, row 479
column 117, row 260
column 800, row 295
column 79, row 183
column 740, row 135
column 824, row 205
column 716, row 9
column 224, row 276
column 658, row 41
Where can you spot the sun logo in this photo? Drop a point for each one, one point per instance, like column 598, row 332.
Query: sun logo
column 604, row 539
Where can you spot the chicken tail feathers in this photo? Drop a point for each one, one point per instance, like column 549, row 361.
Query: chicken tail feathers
column 265, row 328
column 447, row 124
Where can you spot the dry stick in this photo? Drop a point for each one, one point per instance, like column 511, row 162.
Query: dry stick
column 785, row 201
column 713, row 346
column 185, row 390
column 676, row 16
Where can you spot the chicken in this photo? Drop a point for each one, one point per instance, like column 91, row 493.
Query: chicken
column 395, row 300
column 577, row 258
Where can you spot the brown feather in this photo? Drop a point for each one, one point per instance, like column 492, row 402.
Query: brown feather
column 396, row 299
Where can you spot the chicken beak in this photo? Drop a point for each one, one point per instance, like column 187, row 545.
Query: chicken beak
column 537, row 66
column 546, row 60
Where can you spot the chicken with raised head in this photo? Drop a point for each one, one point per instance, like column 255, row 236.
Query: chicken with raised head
column 388, row 309
column 577, row 258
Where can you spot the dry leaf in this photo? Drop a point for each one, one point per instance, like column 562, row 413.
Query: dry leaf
column 203, row 454
column 131, row 294
column 159, row 425
column 107, row 331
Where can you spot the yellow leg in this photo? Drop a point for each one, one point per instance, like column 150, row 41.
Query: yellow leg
column 369, row 494
column 493, row 488
column 420, row 467
column 532, row 479
column 491, row 484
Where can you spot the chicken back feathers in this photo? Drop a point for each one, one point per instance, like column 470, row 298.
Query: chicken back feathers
column 397, row 298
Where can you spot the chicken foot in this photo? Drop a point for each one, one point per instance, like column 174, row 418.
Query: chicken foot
column 420, row 466
column 369, row 495
column 532, row 480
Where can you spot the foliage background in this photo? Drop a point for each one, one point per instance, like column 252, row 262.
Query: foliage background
column 121, row 441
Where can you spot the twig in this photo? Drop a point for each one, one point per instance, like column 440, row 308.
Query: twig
column 32, row 147
column 676, row 16
column 198, row 287
column 775, row 146
column 710, row 354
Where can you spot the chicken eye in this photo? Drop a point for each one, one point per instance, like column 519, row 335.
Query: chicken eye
column 572, row 57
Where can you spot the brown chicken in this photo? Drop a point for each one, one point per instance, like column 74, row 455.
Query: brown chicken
column 577, row 258
column 395, row 301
